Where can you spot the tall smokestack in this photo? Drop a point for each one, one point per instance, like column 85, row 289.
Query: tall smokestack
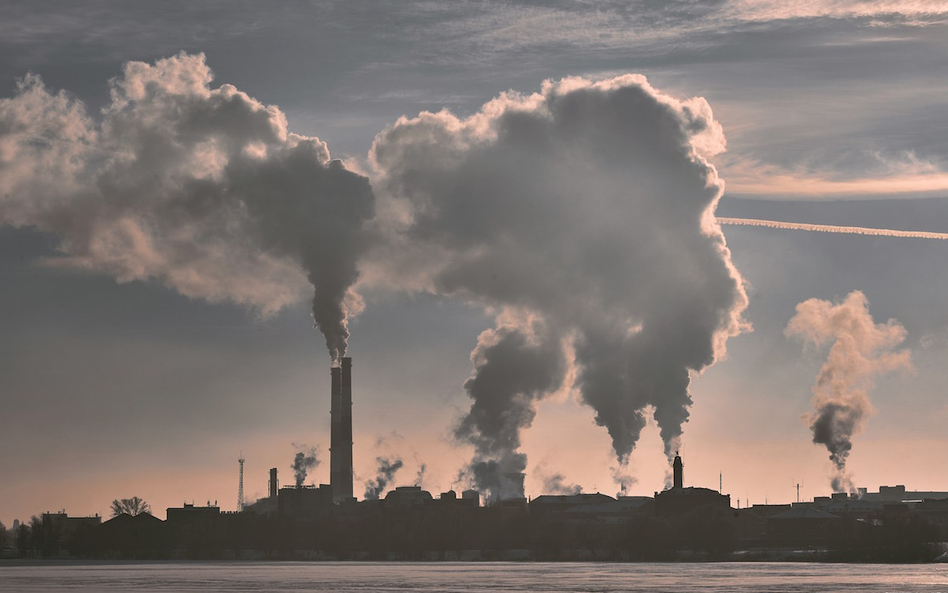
column 679, row 469
column 340, row 449
column 273, row 482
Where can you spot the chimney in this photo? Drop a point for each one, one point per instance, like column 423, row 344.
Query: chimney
column 273, row 482
column 679, row 468
column 340, row 448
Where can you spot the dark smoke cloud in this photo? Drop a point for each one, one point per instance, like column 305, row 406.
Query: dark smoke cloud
column 499, row 480
column 860, row 351
column 387, row 468
column 557, row 484
column 587, row 210
column 306, row 459
column 202, row 189
column 513, row 369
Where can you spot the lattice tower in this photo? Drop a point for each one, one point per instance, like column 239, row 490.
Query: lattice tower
column 240, row 484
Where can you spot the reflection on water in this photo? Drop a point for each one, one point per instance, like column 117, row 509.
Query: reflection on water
column 345, row 577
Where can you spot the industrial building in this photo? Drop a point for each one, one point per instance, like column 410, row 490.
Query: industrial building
column 680, row 500
column 409, row 523
column 326, row 521
column 900, row 494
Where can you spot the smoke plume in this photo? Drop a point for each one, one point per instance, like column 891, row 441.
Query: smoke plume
column 556, row 484
column 387, row 468
column 201, row 189
column 420, row 477
column 584, row 214
column 513, row 369
column 860, row 351
column 624, row 480
column 306, row 459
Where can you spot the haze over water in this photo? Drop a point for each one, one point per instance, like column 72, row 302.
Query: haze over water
column 343, row 577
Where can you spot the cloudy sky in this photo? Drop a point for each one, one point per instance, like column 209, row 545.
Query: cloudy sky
column 518, row 240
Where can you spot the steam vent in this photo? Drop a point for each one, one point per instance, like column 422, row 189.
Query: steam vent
column 340, row 447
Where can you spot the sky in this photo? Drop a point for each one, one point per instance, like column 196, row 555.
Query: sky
column 518, row 238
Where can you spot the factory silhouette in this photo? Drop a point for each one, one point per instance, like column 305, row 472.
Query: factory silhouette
column 409, row 523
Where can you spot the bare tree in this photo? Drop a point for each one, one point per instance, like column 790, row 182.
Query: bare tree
column 130, row 506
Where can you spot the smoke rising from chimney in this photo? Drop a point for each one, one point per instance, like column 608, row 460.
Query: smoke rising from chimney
column 625, row 480
column 556, row 484
column 514, row 367
column 420, row 476
column 583, row 214
column 387, row 468
column 860, row 351
column 585, row 210
column 306, row 458
column 202, row 189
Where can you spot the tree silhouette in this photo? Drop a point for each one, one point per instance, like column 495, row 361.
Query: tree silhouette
column 130, row 506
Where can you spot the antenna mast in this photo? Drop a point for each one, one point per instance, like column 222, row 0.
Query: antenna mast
column 240, row 484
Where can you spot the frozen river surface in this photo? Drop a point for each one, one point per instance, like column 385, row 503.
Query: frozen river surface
column 344, row 577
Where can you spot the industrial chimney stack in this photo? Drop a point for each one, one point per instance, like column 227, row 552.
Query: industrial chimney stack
column 679, row 469
column 340, row 447
column 273, row 483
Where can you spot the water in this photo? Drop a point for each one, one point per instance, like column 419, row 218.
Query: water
column 345, row 577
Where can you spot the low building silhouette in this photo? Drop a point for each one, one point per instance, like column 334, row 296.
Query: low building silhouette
column 803, row 525
column 304, row 500
column 407, row 496
column 133, row 537
column 680, row 500
column 408, row 523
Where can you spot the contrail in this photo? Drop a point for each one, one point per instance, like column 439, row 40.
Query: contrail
column 826, row 228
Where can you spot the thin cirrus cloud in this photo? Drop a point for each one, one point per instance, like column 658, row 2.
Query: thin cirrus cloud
column 769, row 10
column 804, row 186
column 621, row 24
column 855, row 173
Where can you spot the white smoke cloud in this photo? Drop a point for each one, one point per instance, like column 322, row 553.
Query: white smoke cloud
column 202, row 189
column 589, row 208
column 860, row 351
